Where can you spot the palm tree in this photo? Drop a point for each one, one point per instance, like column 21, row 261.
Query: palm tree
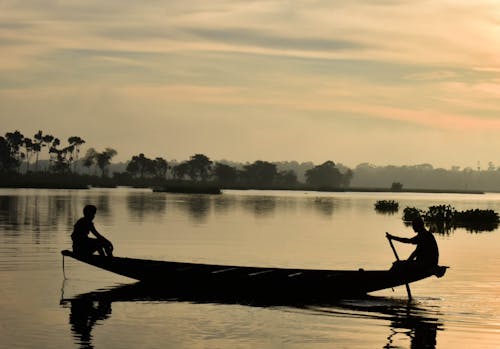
column 45, row 141
column 37, row 146
column 61, row 159
column 75, row 142
column 29, row 150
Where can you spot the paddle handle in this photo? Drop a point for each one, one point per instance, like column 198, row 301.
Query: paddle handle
column 397, row 258
column 393, row 248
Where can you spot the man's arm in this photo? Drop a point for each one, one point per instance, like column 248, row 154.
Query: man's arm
column 99, row 236
column 400, row 239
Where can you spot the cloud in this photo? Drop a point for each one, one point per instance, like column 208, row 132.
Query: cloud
column 432, row 75
column 351, row 66
column 241, row 36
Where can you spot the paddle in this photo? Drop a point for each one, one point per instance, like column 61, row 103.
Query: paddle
column 397, row 258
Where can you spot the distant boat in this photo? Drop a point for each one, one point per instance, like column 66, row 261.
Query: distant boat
column 256, row 281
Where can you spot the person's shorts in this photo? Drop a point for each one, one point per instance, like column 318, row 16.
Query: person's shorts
column 86, row 246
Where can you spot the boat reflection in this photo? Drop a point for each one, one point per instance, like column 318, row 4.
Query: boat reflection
column 407, row 321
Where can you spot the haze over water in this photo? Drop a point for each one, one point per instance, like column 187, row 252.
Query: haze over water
column 255, row 228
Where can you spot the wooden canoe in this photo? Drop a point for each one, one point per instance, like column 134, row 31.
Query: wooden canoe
column 256, row 281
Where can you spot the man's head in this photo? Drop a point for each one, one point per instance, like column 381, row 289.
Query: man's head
column 89, row 211
column 418, row 224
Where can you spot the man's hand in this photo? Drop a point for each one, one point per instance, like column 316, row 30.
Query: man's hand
column 107, row 243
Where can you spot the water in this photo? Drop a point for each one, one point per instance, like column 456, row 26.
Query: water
column 276, row 229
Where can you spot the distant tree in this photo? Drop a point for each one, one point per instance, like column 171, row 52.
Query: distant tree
column 37, row 146
column 75, row 142
column 29, row 150
column 60, row 158
column 225, row 174
column 160, row 166
column 396, row 186
column 103, row 159
column 15, row 141
column 325, row 175
column 53, row 149
column 260, row 173
column 287, row 178
column 199, row 167
column 137, row 165
column 298, row 168
column 142, row 166
column 8, row 161
column 49, row 139
column 40, row 141
column 347, row 178
column 180, row 171
column 89, row 159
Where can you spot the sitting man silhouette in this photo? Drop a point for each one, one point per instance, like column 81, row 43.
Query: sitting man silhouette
column 426, row 254
column 85, row 245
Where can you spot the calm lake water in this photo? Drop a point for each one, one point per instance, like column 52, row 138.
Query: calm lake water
column 40, row 309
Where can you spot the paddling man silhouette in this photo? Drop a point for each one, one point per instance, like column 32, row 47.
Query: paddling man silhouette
column 426, row 254
column 85, row 245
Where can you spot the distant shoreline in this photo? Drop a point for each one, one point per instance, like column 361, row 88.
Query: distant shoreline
column 413, row 190
column 214, row 189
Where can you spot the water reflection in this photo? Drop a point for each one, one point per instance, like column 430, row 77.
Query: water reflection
column 405, row 320
column 143, row 204
column 325, row 206
column 197, row 206
column 85, row 313
column 19, row 213
column 260, row 206
column 445, row 228
column 101, row 201
column 224, row 204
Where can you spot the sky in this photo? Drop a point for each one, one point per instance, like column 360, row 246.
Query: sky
column 385, row 82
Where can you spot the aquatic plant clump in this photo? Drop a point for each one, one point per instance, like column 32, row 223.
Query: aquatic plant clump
column 410, row 213
column 387, row 206
column 444, row 218
column 477, row 220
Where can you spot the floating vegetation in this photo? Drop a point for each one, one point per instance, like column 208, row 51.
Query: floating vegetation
column 477, row 220
column 410, row 213
column 444, row 218
column 386, row 206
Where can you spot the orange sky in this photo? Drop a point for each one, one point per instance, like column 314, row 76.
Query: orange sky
column 387, row 82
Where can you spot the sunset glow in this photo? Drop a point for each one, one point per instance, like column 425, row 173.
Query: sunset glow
column 239, row 80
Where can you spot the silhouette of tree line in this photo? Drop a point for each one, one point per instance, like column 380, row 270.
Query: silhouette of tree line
column 259, row 174
column 425, row 176
column 16, row 149
column 20, row 155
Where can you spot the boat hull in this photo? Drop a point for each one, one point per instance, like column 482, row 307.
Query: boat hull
column 259, row 282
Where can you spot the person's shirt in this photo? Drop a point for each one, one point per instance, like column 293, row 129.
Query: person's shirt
column 81, row 229
column 427, row 251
